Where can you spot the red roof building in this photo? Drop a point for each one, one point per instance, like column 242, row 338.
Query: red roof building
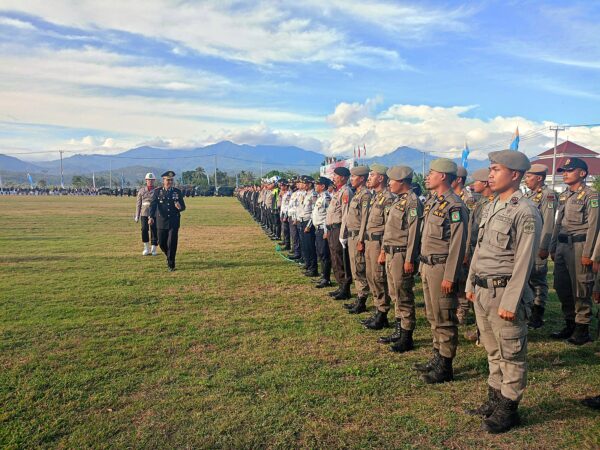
column 565, row 151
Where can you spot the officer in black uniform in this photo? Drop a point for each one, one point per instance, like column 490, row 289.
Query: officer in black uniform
column 165, row 208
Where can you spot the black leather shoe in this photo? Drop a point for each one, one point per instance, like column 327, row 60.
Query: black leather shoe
column 566, row 332
column 395, row 336
column 360, row 306
column 334, row 293
column 440, row 373
column 311, row 273
column 379, row 322
column 323, row 284
column 504, row 417
column 581, row 335
column 343, row 294
column 404, row 344
column 592, row 402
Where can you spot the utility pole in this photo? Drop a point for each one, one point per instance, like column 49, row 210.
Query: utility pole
column 556, row 129
column 62, row 179
column 261, row 170
column 215, row 174
column 423, row 163
column 110, row 174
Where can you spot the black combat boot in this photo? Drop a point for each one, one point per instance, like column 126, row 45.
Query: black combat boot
column 360, row 306
column 592, row 402
column 504, row 417
column 440, row 373
column 487, row 409
column 427, row 366
column 350, row 305
column 369, row 319
column 537, row 317
column 336, row 292
column 344, row 293
column 581, row 335
column 311, row 273
column 566, row 332
column 395, row 336
column 323, row 283
column 379, row 322
column 405, row 343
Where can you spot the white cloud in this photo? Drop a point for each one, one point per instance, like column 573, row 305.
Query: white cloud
column 16, row 23
column 94, row 67
column 349, row 113
column 262, row 32
column 261, row 134
column 445, row 129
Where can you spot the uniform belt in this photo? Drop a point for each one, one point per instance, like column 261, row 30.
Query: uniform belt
column 496, row 282
column 335, row 226
column 393, row 249
column 320, row 227
column 569, row 239
column 432, row 260
column 373, row 237
column 353, row 234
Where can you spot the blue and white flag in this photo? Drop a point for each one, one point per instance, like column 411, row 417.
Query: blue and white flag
column 514, row 145
column 465, row 155
column 30, row 180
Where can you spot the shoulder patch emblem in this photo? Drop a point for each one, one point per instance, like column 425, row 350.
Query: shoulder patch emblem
column 594, row 203
column 455, row 216
column 413, row 212
column 514, row 200
column 529, row 226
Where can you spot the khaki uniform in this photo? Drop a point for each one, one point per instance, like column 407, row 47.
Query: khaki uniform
column 474, row 220
column 596, row 258
column 469, row 200
column 401, row 244
column 443, row 243
column 509, row 236
column 546, row 201
column 376, row 276
column 336, row 214
column 574, row 236
column 355, row 225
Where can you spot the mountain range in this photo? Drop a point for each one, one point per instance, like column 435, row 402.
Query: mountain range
column 228, row 157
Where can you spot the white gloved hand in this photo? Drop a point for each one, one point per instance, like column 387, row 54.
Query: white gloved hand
column 136, row 218
column 344, row 242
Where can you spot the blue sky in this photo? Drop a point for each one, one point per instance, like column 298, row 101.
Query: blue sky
column 93, row 76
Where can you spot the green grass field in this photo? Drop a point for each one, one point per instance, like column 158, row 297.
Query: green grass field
column 101, row 347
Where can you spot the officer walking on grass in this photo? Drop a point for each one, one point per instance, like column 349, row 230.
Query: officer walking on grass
column 165, row 209
column 572, row 245
column 508, row 241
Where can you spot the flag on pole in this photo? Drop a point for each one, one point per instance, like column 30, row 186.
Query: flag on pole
column 355, row 153
column 514, row 145
column 122, row 180
column 30, row 180
column 359, row 152
column 94, row 179
column 365, row 150
column 465, row 155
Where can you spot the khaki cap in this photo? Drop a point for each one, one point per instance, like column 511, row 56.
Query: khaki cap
column 538, row 169
column 379, row 168
column 398, row 173
column 481, row 174
column 361, row 171
column 511, row 159
column 444, row 165
column 461, row 172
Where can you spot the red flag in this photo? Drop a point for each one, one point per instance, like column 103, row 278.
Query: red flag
column 365, row 152
column 359, row 152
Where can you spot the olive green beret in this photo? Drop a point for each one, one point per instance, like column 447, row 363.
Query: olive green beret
column 538, row 169
column 461, row 172
column 379, row 168
column 443, row 165
column 481, row 174
column 361, row 171
column 511, row 159
column 399, row 173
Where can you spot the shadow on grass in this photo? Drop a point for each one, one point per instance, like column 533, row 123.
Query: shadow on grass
column 32, row 258
column 555, row 409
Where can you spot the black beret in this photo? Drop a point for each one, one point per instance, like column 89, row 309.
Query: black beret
column 342, row 171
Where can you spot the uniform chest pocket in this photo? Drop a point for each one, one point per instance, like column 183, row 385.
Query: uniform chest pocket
column 499, row 234
column 436, row 226
column 575, row 213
